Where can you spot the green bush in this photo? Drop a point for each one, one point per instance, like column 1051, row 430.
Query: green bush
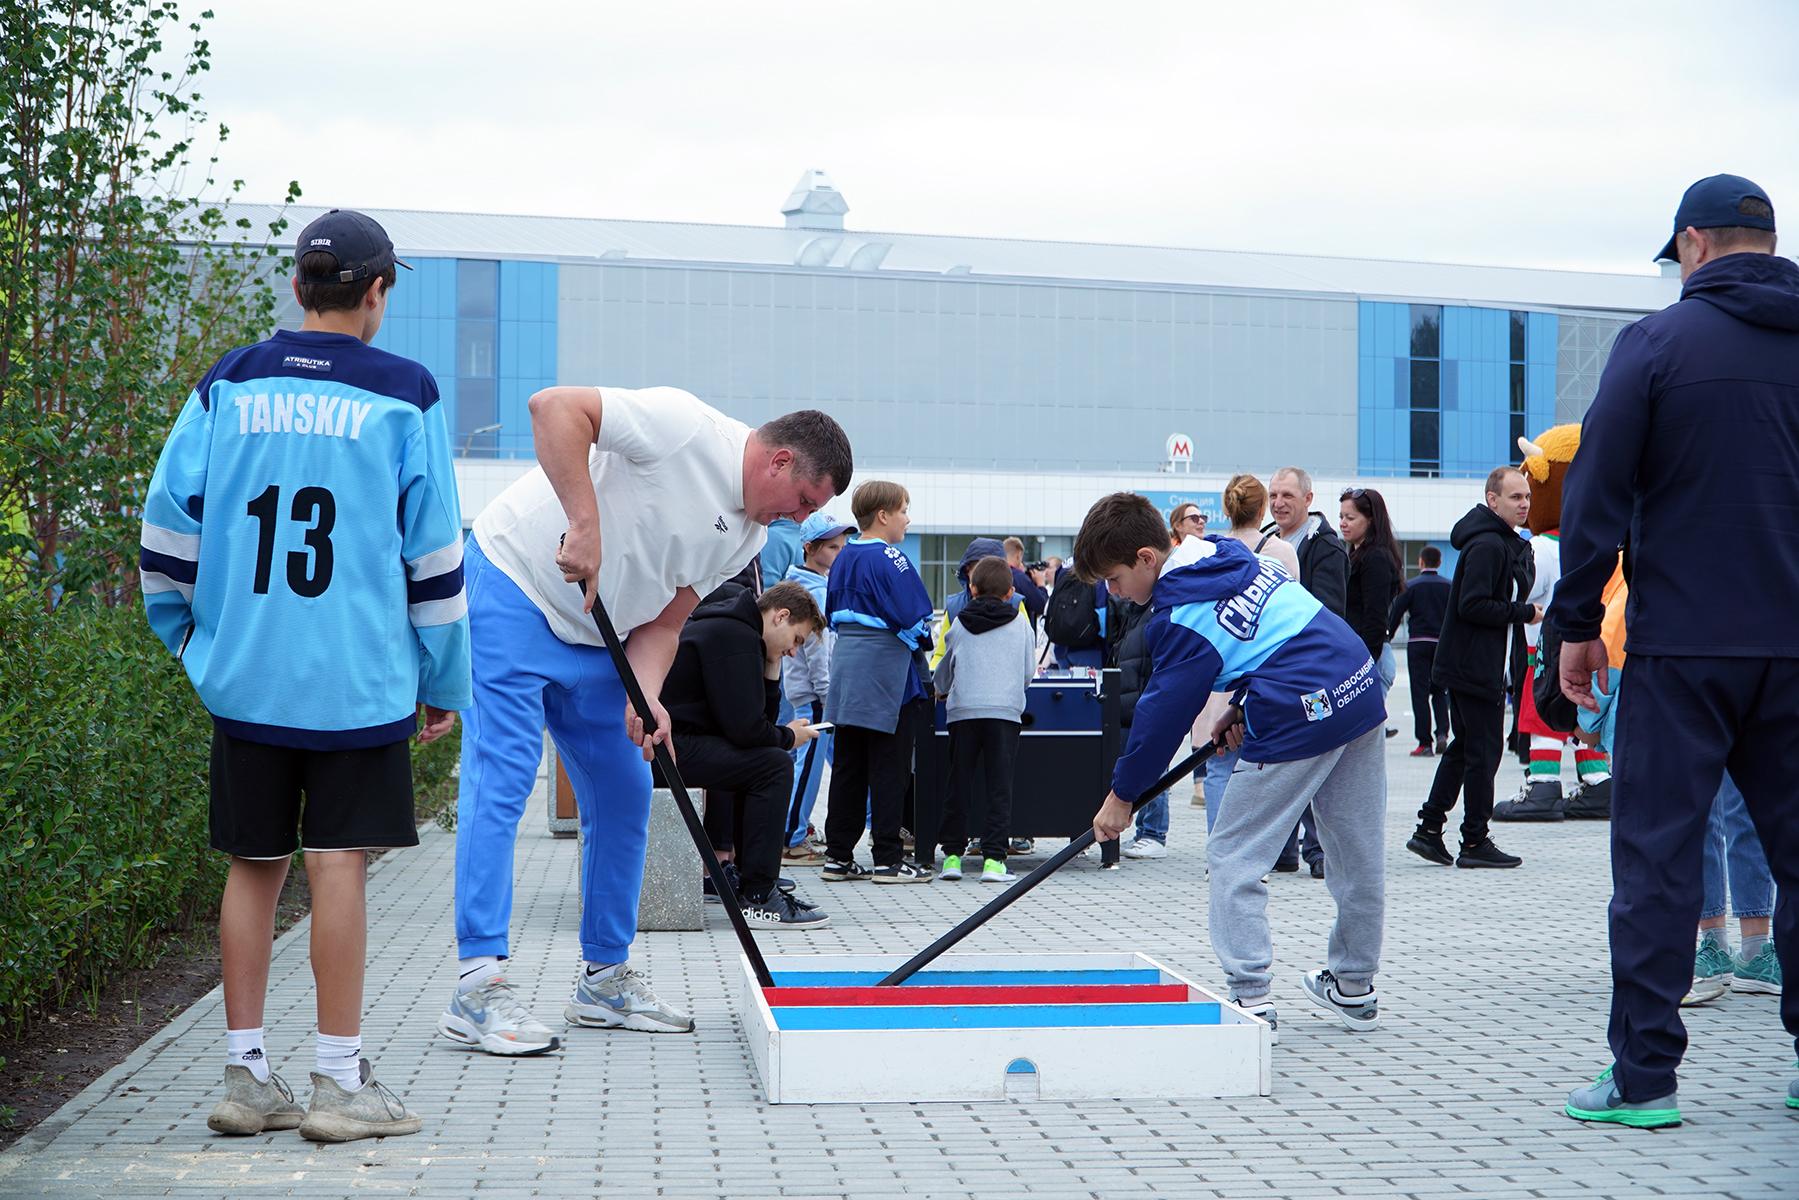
column 434, row 778
column 103, row 800
column 104, row 750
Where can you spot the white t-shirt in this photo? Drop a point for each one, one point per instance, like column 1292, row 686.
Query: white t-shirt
column 668, row 476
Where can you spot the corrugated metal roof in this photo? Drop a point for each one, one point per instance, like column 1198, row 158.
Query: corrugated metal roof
column 492, row 235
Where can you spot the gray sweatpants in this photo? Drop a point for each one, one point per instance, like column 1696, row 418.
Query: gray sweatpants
column 1347, row 789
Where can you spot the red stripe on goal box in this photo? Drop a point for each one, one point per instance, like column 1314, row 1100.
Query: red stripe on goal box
column 842, row 997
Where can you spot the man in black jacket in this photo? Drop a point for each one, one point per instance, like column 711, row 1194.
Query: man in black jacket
column 1425, row 599
column 722, row 694
column 1480, row 651
column 1323, row 558
column 1324, row 572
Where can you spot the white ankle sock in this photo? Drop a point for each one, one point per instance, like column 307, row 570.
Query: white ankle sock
column 243, row 1048
column 341, row 1059
column 477, row 971
column 603, row 970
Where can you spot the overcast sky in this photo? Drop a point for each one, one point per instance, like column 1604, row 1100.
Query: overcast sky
column 1523, row 132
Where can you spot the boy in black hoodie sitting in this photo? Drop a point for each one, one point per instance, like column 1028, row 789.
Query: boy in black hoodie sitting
column 722, row 694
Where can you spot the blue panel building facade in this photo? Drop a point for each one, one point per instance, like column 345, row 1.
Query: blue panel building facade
column 487, row 331
column 1446, row 390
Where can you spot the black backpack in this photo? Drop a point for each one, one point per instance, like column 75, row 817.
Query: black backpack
column 1072, row 619
column 1558, row 712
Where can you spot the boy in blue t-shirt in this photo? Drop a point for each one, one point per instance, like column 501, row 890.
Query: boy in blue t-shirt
column 323, row 604
column 1309, row 719
column 881, row 615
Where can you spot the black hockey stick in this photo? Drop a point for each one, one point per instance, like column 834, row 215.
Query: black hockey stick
column 999, row 903
column 665, row 762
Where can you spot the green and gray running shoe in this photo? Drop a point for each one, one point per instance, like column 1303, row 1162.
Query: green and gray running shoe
column 994, row 871
column 952, row 868
column 252, row 1106
column 1793, row 1091
column 1761, row 975
column 1712, row 968
column 1602, row 1102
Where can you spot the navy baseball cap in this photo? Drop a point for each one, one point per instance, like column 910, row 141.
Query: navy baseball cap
column 357, row 242
column 1716, row 202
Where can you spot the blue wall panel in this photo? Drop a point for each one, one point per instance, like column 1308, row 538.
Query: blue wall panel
column 527, row 350
column 421, row 322
column 1475, row 392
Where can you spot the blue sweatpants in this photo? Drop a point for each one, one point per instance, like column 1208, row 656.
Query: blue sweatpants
column 525, row 675
column 1682, row 722
column 808, row 768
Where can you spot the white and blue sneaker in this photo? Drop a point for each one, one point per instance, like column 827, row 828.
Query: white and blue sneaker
column 492, row 1018
column 622, row 999
column 1358, row 1013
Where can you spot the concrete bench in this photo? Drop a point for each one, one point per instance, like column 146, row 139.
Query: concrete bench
column 671, row 898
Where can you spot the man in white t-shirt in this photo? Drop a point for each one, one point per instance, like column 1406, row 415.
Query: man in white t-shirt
column 677, row 496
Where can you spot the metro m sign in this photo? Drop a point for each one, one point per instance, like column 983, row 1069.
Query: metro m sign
column 1179, row 449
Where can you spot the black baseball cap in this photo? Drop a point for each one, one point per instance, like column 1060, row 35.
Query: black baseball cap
column 1716, row 202
column 356, row 241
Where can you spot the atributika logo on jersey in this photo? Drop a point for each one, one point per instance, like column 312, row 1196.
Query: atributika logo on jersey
column 300, row 362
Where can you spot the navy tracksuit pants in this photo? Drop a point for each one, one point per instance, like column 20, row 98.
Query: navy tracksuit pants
column 1681, row 723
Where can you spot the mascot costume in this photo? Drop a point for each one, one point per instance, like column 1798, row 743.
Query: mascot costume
column 1545, row 466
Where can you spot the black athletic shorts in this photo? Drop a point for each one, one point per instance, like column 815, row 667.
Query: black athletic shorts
column 268, row 801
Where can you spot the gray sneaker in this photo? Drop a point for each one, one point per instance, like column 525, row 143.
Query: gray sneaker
column 623, row 1000
column 1357, row 1013
column 251, row 1106
column 369, row 1111
column 492, row 1018
column 1601, row 1101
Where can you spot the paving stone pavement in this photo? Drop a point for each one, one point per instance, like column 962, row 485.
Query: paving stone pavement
column 1494, row 988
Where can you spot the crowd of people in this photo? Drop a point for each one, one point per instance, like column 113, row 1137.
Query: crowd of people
column 766, row 664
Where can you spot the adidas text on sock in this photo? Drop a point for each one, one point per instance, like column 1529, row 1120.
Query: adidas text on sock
column 243, row 1048
column 341, row 1059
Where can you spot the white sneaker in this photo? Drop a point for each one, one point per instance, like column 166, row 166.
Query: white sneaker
column 492, row 1018
column 623, row 1000
column 1146, row 848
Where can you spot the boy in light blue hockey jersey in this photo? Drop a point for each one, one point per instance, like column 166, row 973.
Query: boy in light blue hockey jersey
column 302, row 556
column 1309, row 718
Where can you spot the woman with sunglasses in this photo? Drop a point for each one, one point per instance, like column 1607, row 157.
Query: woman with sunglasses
column 1187, row 520
column 1376, row 573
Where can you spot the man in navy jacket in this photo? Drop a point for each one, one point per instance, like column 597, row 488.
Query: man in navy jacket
column 1691, row 450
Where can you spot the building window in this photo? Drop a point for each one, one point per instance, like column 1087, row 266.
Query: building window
column 1516, row 424
column 1426, row 380
column 1427, row 326
column 477, row 356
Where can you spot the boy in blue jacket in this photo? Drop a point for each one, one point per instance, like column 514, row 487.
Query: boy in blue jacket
column 1308, row 718
column 302, row 556
column 806, row 681
column 881, row 614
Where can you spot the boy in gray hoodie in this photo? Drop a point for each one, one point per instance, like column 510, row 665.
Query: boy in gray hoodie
column 990, row 654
